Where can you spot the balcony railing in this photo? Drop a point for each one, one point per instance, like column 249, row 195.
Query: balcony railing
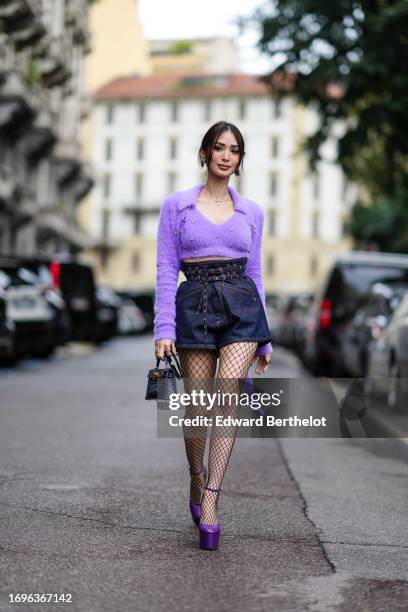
column 17, row 14
column 8, row 187
column 76, row 14
column 16, row 109
column 54, row 61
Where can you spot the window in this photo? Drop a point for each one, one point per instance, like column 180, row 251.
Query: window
column 140, row 148
column 106, row 184
column 270, row 265
column 315, row 224
column 138, row 184
column 140, row 112
column 271, row 222
column 277, row 109
column 275, row 147
column 344, row 226
column 313, row 265
column 135, row 262
column 207, row 110
column 108, row 149
column 316, row 186
column 241, row 109
column 344, row 188
column 171, row 181
column 174, row 111
column 105, row 223
column 109, row 113
column 273, row 184
column 173, row 148
column 136, row 223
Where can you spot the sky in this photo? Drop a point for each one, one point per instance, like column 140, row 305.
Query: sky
column 192, row 18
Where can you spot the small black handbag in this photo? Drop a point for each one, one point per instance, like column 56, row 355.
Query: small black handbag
column 162, row 381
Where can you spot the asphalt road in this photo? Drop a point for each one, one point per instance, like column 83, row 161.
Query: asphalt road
column 95, row 504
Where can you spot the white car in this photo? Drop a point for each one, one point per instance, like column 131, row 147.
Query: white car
column 28, row 308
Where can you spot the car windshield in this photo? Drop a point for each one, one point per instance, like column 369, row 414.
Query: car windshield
column 12, row 277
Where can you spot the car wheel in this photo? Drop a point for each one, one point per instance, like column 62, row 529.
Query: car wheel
column 9, row 359
column 45, row 352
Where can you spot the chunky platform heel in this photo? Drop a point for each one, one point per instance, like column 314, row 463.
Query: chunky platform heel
column 209, row 534
column 195, row 508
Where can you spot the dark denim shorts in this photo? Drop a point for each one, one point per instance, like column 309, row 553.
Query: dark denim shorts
column 223, row 309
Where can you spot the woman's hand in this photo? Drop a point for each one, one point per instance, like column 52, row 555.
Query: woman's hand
column 164, row 347
column 263, row 363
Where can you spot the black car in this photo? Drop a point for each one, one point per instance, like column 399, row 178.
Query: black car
column 349, row 279
column 76, row 282
column 373, row 314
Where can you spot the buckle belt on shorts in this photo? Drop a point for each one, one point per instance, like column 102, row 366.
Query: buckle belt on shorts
column 212, row 274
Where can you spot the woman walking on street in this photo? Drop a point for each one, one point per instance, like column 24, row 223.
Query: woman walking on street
column 214, row 235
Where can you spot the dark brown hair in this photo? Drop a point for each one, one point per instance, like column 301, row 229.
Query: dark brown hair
column 211, row 137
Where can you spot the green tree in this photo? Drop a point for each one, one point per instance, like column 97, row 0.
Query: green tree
column 347, row 59
column 180, row 47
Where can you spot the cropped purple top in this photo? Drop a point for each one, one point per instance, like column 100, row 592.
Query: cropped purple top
column 184, row 233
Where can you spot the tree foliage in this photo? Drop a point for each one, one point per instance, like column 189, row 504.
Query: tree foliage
column 348, row 59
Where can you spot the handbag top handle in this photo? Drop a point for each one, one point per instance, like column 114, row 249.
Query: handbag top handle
column 176, row 367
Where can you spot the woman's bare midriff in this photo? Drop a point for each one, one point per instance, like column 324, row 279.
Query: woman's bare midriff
column 192, row 259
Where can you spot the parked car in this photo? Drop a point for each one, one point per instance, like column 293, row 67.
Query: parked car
column 40, row 266
column 29, row 309
column 7, row 332
column 144, row 299
column 76, row 282
column 348, row 280
column 107, row 309
column 387, row 357
column 131, row 318
column 291, row 320
column 374, row 312
column 272, row 305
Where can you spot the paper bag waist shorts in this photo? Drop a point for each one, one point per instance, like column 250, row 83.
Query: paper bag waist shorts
column 218, row 305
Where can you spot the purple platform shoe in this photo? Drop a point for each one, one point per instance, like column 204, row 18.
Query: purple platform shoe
column 195, row 508
column 209, row 534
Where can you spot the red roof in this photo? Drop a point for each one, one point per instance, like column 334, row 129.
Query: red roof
column 188, row 85
column 182, row 86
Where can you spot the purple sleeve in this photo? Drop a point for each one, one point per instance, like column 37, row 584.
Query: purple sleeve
column 254, row 267
column 167, row 270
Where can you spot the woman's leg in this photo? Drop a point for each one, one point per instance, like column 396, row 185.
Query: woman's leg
column 235, row 361
column 199, row 366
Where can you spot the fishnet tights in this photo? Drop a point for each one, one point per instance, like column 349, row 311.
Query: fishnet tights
column 199, row 367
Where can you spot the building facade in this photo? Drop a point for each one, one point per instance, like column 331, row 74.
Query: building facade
column 118, row 47
column 42, row 104
column 147, row 134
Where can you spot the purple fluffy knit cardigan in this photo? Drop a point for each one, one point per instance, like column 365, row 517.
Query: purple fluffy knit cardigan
column 184, row 232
